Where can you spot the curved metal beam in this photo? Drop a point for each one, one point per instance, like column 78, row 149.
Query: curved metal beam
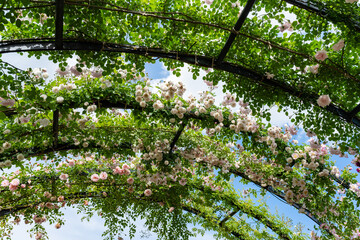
column 203, row 61
column 80, row 195
column 327, row 13
column 238, row 25
column 278, row 194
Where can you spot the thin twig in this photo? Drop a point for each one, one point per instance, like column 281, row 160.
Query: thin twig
column 147, row 14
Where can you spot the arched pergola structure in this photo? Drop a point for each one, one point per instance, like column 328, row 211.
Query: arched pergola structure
column 255, row 59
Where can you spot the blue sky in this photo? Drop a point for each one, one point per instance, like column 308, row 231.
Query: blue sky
column 75, row 229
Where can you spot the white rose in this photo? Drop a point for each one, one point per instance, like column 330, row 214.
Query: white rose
column 59, row 99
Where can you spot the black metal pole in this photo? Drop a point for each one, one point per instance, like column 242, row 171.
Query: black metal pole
column 238, row 25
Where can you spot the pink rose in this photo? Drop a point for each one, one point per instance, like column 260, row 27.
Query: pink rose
column 118, row 170
column 103, row 175
column 321, row 55
column 62, row 73
column 125, row 166
column 126, row 172
column 5, row 183
column 71, row 162
column 285, row 26
column 15, row 182
column 63, row 176
column 182, row 182
column 12, row 187
column 8, row 102
column 130, row 189
column 61, row 198
column 314, row 69
column 339, row 45
column 209, row 2
column 24, row 119
column 171, row 209
column 324, row 100
column 95, row 177
column 147, row 192
column 74, row 71
column 38, row 236
column 130, row 180
column 96, row 73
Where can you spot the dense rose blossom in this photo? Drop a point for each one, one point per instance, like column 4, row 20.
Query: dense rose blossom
column 95, row 177
column 314, row 69
column 15, row 182
column 91, row 108
column 7, row 102
column 321, row 55
column 147, row 192
column 130, row 180
column 324, row 100
column 96, row 73
column 55, row 89
column 44, row 122
column 38, row 236
column 74, row 71
column 6, row 145
column 5, row 183
column 125, row 166
column 182, row 182
column 339, row 45
column 7, row 131
column 71, row 162
column 62, row 73
column 285, row 26
column 7, row 163
column 118, row 170
column 269, row 75
column 37, row 71
column 59, row 99
column 20, row 157
column 45, row 75
column 12, row 187
column 295, row 156
column 335, row 171
column 103, row 175
column 64, row 176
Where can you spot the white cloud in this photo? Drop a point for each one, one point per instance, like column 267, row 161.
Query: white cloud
column 75, row 229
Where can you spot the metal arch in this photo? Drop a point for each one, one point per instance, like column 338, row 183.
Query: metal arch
column 127, row 145
column 238, row 25
column 326, row 13
column 59, row 23
column 80, row 195
column 203, row 61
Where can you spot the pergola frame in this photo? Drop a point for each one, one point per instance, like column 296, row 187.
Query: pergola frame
column 59, row 43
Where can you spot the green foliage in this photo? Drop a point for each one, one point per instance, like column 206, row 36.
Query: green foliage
column 265, row 156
